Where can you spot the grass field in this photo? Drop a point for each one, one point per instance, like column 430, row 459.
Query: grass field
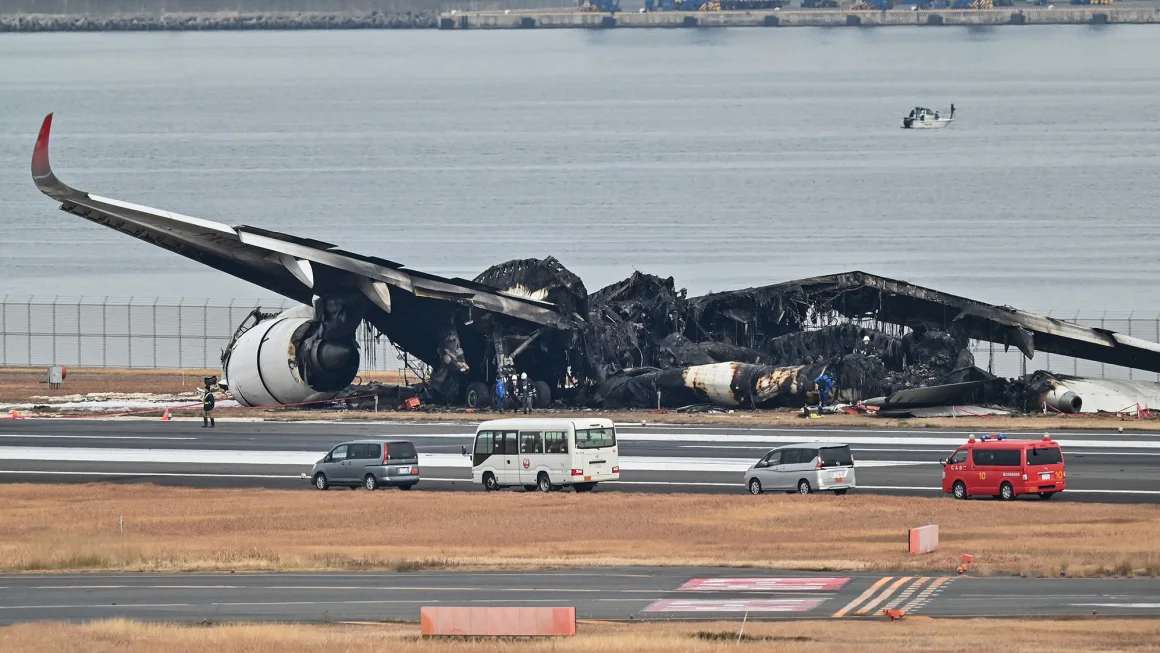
column 23, row 385
column 76, row 527
column 910, row 634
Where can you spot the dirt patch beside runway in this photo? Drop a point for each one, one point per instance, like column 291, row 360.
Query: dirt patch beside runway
column 77, row 527
column 911, row 634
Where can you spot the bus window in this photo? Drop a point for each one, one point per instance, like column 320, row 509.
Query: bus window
column 556, row 442
column 595, row 438
column 531, row 442
column 511, row 442
column 483, row 443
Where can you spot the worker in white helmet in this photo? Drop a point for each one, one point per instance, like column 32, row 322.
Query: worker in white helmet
column 527, row 400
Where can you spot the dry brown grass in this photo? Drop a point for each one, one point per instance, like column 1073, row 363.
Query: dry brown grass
column 75, row 527
column 911, row 634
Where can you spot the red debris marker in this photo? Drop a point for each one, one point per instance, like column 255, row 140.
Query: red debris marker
column 497, row 622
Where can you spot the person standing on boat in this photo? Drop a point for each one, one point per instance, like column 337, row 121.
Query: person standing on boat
column 952, row 111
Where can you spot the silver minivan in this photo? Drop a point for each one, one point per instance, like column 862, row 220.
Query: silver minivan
column 803, row 468
column 368, row 463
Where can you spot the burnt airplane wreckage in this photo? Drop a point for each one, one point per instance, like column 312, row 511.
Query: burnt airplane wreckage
column 637, row 343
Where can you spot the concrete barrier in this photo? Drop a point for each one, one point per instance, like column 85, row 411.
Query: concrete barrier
column 924, row 539
column 497, row 622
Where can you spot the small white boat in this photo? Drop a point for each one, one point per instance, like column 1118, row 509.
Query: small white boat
column 923, row 118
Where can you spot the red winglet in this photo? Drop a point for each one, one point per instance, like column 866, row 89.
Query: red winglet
column 40, row 165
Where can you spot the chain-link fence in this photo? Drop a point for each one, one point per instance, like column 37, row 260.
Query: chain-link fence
column 184, row 333
column 139, row 332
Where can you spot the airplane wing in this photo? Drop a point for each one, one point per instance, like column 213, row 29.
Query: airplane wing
column 281, row 263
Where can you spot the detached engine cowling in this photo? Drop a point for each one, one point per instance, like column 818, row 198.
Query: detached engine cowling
column 289, row 359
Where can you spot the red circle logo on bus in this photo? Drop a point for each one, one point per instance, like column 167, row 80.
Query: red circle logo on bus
column 527, row 463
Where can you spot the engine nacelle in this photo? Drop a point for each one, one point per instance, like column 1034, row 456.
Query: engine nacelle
column 282, row 360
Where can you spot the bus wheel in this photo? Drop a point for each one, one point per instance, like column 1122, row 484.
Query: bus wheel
column 960, row 490
column 489, row 482
column 1045, row 495
column 584, row 487
column 1006, row 492
column 544, row 483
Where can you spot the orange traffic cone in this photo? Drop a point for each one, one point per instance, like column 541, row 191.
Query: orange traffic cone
column 165, row 415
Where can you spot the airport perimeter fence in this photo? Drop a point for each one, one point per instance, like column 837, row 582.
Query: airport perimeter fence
column 140, row 332
column 186, row 333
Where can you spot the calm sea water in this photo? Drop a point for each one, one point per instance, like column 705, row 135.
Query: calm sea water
column 725, row 158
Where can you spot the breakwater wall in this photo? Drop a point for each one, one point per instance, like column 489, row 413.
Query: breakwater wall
column 1094, row 15
column 149, row 15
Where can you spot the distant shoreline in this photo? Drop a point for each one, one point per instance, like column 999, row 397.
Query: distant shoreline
column 223, row 21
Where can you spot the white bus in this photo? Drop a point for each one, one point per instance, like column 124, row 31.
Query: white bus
column 548, row 454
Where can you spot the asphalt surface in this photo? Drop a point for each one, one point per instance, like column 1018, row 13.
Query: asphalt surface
column 1102, row 465
column 610, row 593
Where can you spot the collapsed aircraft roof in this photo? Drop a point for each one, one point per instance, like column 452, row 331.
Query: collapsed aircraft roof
column 859, row 295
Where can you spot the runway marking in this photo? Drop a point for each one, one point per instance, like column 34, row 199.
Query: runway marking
column 762, row 584
column 308, row 458
column 883, row 595
column 760, row 605
column 906, row 593
column 189, row 474
column 899, row 488
column 96, row 437
column 1139, row 606
column 927, row 594
column 278, row 603
column 862, row 597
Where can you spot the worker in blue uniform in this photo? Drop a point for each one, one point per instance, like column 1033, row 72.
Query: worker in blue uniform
column 499, row 393
column 825, row 383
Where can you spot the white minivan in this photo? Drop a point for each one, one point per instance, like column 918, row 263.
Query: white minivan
column 548, row 454
column 804, row 468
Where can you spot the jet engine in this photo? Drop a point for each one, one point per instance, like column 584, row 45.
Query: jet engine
column 290, row 358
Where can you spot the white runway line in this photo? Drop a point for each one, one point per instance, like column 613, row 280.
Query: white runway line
column 308, row 458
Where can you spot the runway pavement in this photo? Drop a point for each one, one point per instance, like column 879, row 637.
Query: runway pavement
column 1101, row 465
column 611, row 593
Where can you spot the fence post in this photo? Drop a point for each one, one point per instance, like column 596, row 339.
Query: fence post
column 1131, row 369
column 129, row 331
column 105, row 332
column 1048, row 353
column 79, row 300
column 28, row 314
column 180, row 339
column 155, row 332
column 4, row 329
column 205, row 333
column 1074, row 360
column 1102, row 375
column 54, row 300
